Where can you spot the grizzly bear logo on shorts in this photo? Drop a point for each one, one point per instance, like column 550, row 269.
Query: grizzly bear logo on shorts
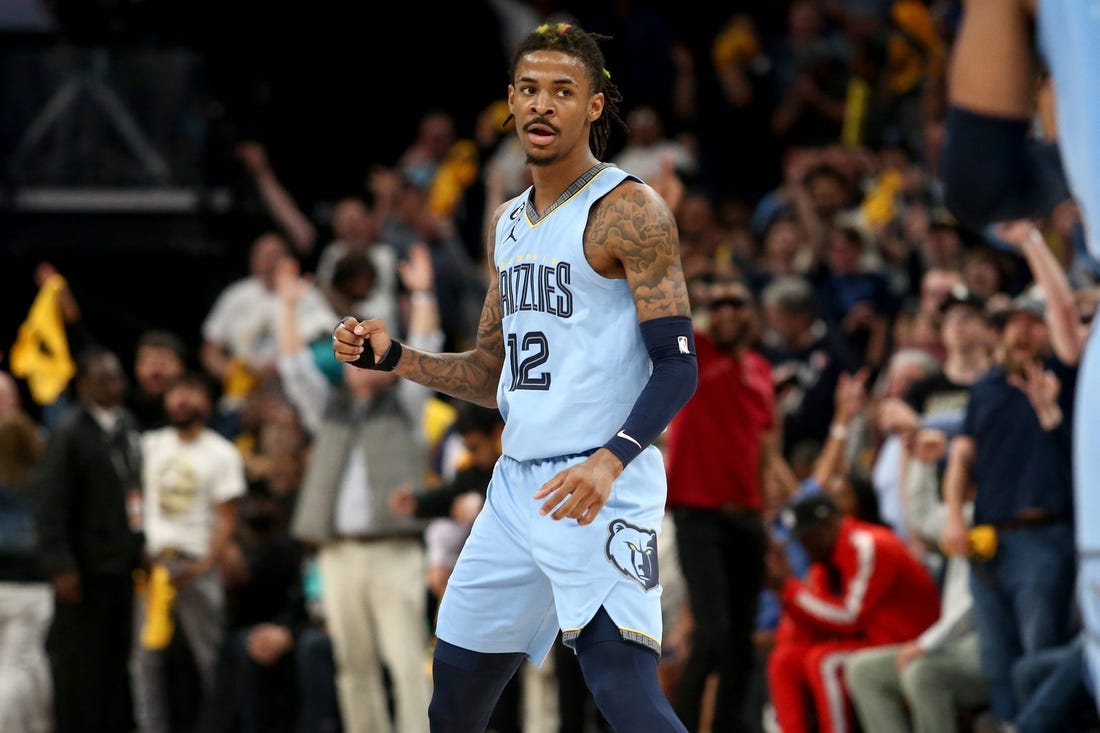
column 633, row 551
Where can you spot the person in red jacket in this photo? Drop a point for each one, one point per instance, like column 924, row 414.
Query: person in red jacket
column 864, row 588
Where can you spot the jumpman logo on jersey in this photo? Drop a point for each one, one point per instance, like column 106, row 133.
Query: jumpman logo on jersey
column 514, row 216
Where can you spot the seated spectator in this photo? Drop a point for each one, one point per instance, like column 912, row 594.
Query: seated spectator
column 921, row 685
column 863, row 588
column 258, row 676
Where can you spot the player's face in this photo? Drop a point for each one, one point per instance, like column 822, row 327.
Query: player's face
column 553, row 105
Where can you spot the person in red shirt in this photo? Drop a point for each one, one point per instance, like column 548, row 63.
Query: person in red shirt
column 717, row 447
column 864, row 588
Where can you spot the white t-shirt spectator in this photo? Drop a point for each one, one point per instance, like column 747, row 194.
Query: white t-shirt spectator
column 183, row 483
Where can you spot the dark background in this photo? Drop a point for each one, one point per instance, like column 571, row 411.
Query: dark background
column 329, row 86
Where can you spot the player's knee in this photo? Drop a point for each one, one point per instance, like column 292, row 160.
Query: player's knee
column 622, row 677
column 466, row 686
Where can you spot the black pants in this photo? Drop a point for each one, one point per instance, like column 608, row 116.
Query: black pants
column 722, row 561
column 88, row 646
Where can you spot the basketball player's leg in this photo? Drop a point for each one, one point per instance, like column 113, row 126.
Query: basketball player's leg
column 608, row 595
column 498, row 609
column 467, row 685
column 622, row 676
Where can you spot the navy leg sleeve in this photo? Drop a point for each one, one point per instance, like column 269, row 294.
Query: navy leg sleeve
column 466, row 687
column 622, row 676
column 993, row 171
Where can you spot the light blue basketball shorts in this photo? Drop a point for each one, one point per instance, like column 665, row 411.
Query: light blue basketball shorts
column 521, row 577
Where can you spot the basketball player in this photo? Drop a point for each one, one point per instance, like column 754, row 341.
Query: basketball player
column 992, row 173
column 585, row 345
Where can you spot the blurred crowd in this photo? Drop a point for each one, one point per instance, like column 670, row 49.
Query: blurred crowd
column 870, row 515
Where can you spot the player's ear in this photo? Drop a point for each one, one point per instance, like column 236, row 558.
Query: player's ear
column 595, row 106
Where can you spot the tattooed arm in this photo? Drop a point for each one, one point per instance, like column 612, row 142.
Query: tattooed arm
column 469, row 375
column 632, row 233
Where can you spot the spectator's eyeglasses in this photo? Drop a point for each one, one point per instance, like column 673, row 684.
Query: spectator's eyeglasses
column 733, row 301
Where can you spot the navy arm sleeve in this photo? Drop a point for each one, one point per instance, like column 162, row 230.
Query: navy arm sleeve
column 671, row 345
column 992, row 170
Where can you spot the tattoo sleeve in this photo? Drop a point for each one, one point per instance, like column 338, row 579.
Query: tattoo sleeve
column 638, row 227
column 469, row 375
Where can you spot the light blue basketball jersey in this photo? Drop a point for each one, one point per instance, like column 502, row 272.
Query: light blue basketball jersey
column 575, row 359
column 576, row 363
column 1069, row 39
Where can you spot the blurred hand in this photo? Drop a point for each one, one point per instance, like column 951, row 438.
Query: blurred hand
column 860, row 316
column 253, row 157
column 908, row 653
column 777, row 566
column 416, row 272
column 930, row 445
column 233, row 566
column 44, row 272
column 1017, row 233
column 953, row 537
column 1042, row 388
column 850, row 396
column 268, row 642
column 403, row 502
column 66, row 587
column 895, row 416
column 668, row 183
column 438, row 575
column 290, row 286
column 467, row 506
column 187, row 570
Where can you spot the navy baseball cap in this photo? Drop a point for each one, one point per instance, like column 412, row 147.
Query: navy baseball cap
column 807, row 512
column 962, row 295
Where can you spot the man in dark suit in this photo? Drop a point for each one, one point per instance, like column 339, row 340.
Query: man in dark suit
column 89, row 545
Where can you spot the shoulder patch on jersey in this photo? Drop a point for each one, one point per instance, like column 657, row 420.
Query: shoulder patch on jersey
column 633, row 550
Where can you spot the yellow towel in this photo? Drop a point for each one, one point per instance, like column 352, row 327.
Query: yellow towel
column 160, row 595
column 40, row 353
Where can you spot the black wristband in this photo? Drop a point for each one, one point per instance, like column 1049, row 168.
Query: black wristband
column 387, row 363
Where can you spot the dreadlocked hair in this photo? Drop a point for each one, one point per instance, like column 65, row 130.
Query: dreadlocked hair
column 574, row 41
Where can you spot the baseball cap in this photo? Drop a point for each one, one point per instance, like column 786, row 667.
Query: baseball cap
column 1025, row 303
column 962, row 295
column 808, row 511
